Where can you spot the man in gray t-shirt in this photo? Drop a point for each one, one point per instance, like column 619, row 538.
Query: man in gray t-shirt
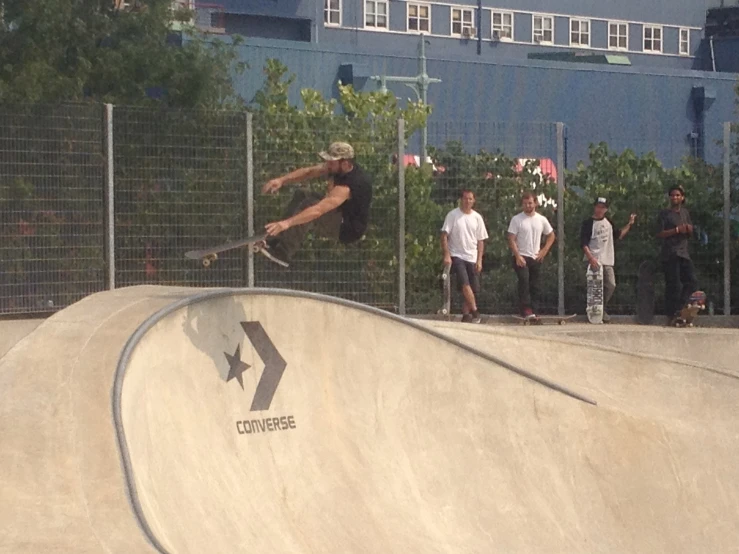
column 597, row 237
column 674, row 228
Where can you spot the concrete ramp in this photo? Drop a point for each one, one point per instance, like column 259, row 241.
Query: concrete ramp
column 155, row 419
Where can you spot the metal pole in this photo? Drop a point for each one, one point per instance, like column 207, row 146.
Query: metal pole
column 727, row 218
column 423, row 82
column 250, row 195
column 110, row 196
column 401, row 216
column 560, row 218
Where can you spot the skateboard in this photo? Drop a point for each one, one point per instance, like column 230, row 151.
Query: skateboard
column 645, row 292
column 446, row 290
column 688, row 313
column 209, row 255
column 594, row 279
column 541, row 319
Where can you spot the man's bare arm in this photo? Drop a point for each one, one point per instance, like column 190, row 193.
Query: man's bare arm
column 333, row 200
column 447, row 256
column 297, row 176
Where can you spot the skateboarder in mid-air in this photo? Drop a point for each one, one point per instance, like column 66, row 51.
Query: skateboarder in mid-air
column 462, row 244
column 342, row 214
column 597, row 237
column 674, row 228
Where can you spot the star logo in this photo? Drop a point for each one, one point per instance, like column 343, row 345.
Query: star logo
column 237, row 367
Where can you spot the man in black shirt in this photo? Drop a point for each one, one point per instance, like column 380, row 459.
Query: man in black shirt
column 342, row 214
column 675, row 226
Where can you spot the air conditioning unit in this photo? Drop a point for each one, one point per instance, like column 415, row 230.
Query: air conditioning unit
column 468, row 32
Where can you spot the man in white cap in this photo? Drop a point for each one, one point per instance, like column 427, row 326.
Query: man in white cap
column 342, row 214
column 597, row 238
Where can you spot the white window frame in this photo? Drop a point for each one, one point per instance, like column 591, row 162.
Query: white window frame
column 327, row 11
column 580, row 33
column 681, row 42
column 376, row 15
column 652, row 29
column 502, row 29
column 618, row 36
column 462, row 23
column 417, row 17
column 541, row 33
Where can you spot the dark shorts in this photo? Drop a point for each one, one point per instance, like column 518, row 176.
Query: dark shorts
column 466, row 274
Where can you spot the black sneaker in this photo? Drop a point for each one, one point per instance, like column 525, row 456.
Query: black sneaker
column 467, row 318
column 476, row 317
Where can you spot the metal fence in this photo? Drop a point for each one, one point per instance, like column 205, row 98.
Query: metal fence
column 94, row 197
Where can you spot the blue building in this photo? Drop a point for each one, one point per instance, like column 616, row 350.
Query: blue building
column 651, row 76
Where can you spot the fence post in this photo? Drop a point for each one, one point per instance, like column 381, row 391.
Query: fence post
column 249, row 196
column 110, row 196
column 401, row 216
column 560, row 219
column 727, row 218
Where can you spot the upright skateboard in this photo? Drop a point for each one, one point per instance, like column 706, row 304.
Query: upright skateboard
column 688, row 313
column 594, row 308
column 209, row 255
column 542, row 319
column 645, row 292
column 446, row 290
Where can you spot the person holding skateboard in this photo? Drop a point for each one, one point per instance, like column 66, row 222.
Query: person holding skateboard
column 674, row 229
column 463, row 236
column 524, row 240
column 342, row 214
column 597, row 237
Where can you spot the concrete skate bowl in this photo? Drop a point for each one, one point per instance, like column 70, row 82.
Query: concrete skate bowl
column 269, row 421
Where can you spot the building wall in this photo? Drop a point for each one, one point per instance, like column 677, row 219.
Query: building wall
column 624, row 106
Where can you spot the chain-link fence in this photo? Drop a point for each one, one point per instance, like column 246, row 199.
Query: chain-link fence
column 51, row 206
column 182, row 180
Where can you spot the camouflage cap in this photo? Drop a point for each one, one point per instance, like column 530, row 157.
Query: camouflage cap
column 338, row 151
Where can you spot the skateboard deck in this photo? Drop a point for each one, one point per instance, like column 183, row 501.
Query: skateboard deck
column 645, row 292
column 688, row 313
column 446, row 290
column 542, row 319
column 209, row 255
column 594, row 280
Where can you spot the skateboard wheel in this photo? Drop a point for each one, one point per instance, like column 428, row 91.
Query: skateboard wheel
column 561, row 321
column 206, row 262
column 444, row 312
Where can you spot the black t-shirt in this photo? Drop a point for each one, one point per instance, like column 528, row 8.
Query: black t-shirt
column 355, row 211
column 676, row 245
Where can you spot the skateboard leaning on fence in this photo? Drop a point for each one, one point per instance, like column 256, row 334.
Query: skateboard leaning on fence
column 594, row 280
column 645, row 292
column 209, row 255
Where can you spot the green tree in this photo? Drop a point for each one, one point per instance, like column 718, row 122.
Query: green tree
column 74, row 50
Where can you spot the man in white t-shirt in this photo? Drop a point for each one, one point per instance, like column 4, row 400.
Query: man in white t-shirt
column 597, row 238
column 524, row 240
column 462, row 243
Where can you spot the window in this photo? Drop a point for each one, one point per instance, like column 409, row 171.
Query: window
column 579, row 32
column 503, row 25
column 652, row 38
column 462, row 22
column 618, row 36
column 332, row 12
column 684, row 49
column 543, row 29
column 419, row 18
column 375, row 14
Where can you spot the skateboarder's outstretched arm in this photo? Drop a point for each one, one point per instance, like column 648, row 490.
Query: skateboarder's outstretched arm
column 297, row 176
column 335, row 198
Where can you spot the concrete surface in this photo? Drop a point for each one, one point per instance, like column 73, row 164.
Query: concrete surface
column 13, row 330
column 130, row 429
